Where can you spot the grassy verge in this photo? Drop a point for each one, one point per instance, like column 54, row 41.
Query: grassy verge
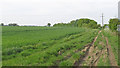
column 113, row 41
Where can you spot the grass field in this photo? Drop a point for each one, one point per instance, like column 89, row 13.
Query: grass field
column 52, row 46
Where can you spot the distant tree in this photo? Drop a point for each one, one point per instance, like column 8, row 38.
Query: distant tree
column 2, row 24
column 49, row 24
column 13, row 24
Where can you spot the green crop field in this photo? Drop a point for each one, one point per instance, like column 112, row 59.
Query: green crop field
column 43, row 45
column 54, row 46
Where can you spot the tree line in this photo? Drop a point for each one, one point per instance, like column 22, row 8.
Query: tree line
column 10, row 24
column 80, row 23
column 84, row 22
column 113, row 24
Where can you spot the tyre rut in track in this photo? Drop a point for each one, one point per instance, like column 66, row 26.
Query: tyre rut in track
column 86, row 50
column 111, row 54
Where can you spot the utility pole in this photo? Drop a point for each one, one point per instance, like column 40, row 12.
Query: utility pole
column 102, row 19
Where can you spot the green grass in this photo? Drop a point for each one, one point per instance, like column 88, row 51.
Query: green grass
column 31, row 46
column 113, row 41
column 99, row 40
column 100, row 43
column 103, row 62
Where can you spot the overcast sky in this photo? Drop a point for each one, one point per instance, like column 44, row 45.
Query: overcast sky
column 41, row 12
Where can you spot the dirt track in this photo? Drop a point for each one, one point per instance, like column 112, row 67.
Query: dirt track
column 88, row 49
column 93, row 54
column 111, row 55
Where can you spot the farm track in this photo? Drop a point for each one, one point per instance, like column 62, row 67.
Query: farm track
column 107, row 49
column 87, row 50
column 100, row 53
column 106, row 52
column 111, row 54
